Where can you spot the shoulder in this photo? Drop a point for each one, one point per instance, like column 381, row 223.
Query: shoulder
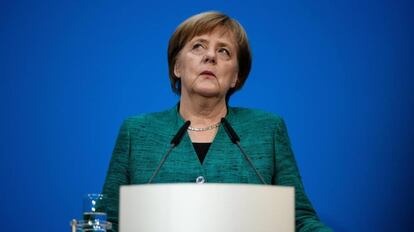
column 155, row 119
column 257, row 126
column 240, row 114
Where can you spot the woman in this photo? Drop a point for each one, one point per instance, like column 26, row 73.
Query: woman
column 209, row 59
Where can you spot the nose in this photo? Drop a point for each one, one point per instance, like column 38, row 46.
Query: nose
column 210, row 57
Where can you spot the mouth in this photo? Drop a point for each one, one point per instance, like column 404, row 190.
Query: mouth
column 208, row 73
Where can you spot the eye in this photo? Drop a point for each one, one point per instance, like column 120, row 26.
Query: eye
column 197, row 46
column 224, row 51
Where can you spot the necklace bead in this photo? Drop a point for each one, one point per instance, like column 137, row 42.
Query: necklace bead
column 198, row 129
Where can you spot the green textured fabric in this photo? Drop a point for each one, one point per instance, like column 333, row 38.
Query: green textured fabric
column 143, row 140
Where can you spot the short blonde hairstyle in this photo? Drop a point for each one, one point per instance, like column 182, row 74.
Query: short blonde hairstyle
column 204, row 23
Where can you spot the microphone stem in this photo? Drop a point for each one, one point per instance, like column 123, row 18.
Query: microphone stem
column 250, row 163
column 161, row 163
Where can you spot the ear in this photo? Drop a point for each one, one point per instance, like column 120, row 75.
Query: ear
column 177, row 70
column 234, row 81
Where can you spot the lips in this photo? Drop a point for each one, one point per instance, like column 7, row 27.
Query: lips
column 206, row 72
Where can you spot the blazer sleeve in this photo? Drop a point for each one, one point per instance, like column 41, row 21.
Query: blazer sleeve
column 287, row 173
column 117, row 175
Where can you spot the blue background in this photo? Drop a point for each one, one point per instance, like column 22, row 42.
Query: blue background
column 339, row 72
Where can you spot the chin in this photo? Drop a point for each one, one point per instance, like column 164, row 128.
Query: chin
column 208, row 92
column 209, row 95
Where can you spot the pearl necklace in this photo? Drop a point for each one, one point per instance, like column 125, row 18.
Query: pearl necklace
column 190, row 128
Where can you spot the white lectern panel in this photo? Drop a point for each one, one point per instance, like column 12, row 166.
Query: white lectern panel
column 206, row 208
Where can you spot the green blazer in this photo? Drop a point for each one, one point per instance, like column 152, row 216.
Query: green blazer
column 143, row 140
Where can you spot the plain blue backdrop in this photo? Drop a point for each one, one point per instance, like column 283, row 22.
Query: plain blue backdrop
column 339, row 72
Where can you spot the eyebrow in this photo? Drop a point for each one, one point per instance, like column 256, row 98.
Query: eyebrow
column 221, row 44
column 200, row 40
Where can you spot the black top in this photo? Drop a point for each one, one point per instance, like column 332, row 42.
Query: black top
column 201, row 150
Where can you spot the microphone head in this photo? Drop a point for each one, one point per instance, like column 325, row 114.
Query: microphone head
column 177, row 138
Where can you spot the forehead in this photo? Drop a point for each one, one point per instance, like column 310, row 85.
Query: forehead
column 222, row 34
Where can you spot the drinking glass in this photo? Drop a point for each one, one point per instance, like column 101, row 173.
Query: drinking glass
column 93, row 209
column 94, row 215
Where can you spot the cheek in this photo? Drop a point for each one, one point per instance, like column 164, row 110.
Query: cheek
column 187, row 65
column 232, row 71
column 228, row 68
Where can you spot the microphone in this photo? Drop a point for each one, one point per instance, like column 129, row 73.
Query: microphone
column 174, row 142
column 177, row 138
column 236, row 140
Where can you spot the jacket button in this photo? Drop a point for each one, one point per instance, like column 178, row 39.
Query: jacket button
column 200, row 180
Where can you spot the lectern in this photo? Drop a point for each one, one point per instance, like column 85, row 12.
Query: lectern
column 206, row 208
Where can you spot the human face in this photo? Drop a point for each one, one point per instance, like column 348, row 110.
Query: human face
column 207, row 65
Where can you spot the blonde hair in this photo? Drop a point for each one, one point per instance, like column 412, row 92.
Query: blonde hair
column 204, row 23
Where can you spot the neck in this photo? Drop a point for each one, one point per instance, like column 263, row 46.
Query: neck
column 202, row 112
